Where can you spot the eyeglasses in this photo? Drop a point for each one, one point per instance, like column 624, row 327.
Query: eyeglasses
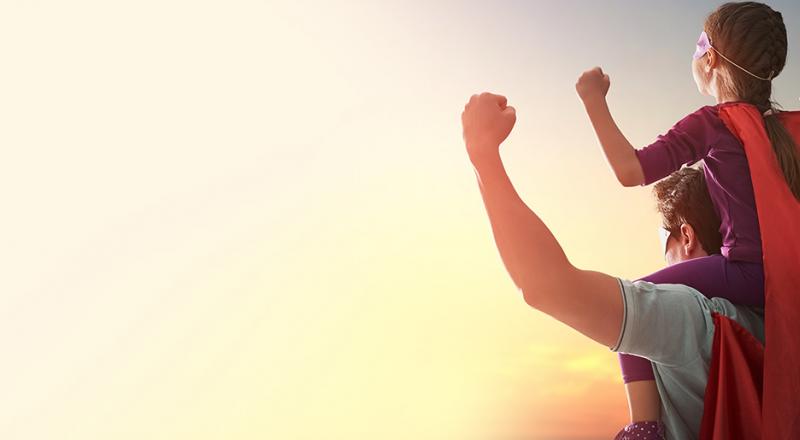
column 664, row 234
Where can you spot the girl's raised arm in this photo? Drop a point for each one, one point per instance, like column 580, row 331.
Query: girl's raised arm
column 592, row 87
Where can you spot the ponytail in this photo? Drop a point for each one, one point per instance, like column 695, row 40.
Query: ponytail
column 786, row 151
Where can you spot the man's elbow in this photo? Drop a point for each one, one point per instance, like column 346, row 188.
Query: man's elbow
column 545, row 289
column 531, row 297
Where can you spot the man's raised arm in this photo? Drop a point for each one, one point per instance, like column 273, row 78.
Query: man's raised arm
column 587, row 301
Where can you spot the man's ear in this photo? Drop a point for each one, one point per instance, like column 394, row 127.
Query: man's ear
column 688, row 239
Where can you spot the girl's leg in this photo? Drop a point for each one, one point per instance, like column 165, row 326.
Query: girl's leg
column 739, row 282
column 714, row 276
column 644, row 402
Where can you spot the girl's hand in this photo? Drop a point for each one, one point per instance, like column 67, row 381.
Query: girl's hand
column 593, row 84
column 487, row 121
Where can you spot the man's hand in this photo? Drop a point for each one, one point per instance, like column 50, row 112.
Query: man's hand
column 593, row 84
column 487, row 122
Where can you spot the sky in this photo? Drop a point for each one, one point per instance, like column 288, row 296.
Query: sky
column 257, row 219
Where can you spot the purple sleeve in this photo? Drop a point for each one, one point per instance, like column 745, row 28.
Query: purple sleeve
column 685, row 143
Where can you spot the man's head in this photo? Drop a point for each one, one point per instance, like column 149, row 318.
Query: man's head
column 688, row 215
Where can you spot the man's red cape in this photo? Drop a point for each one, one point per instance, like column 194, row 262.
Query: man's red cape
column 753, row 390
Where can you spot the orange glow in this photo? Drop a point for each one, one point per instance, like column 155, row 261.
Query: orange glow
column 257, row 219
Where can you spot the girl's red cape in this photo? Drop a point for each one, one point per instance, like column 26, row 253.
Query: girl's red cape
column 753, row 390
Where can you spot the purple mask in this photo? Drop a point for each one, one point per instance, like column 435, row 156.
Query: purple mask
column 703, row 45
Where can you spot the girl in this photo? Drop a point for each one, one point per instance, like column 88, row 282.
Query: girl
column 742, row 48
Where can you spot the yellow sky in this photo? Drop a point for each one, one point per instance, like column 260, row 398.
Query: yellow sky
column 257, row 220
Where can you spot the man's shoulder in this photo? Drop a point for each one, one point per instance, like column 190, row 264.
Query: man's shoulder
column 751, row 318
column 691, row 295
column 659, row 315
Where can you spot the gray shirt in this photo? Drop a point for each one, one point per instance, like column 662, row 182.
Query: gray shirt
column 671, row 325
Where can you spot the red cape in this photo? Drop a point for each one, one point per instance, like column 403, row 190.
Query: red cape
column 753, row 391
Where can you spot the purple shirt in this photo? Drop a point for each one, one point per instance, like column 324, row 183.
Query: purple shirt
column 703, row 135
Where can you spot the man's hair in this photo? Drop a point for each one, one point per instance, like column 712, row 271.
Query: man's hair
column 683, row 197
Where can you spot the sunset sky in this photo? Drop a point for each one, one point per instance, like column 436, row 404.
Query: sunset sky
column 257, row 219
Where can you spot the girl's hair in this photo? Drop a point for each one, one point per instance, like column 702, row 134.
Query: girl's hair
column 753, row 36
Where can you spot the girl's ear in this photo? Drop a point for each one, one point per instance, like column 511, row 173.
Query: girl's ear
column 711, row 60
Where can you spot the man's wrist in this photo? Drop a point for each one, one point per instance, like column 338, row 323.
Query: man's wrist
column 485, row 156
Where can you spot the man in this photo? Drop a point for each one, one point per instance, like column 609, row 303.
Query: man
column 670, row 324
column 690, row 223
